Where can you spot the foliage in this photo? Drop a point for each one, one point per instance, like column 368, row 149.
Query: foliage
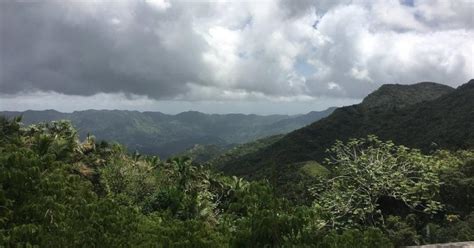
column 354, row 238
column 452, row 229
column 402, row 231
column 367, row 170
column 314, row 169
column 43, row 202
column 423, row 116
column 57, row 191
column 242, row 150
column 203, row 153
column 458, row 182
column 155, row 133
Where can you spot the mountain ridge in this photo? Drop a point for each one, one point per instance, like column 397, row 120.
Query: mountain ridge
column 447, row 121
column 401, row 95
column 165, row 135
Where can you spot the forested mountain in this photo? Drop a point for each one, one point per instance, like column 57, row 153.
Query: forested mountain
column 396, row 95
column 364, row 191
column 164, row 135
column 427, row 116
column 59, row 191
column 309, row 190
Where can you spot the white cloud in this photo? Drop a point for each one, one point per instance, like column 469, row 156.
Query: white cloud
column 68, row 103
column 446, row 14
column 160, row 5
column 233, row 50
column 392, row 15
column 368, row 45
column 333, row 86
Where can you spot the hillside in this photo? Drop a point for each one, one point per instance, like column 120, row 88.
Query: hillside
column 60, row 191
column 243, row 150
column 164, row 135
column 215, row 156
column 426, row 116
column 396, row 95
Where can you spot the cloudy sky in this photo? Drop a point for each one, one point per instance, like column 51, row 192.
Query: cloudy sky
column 226, row 56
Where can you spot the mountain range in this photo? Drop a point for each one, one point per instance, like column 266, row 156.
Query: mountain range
column 165, row 135
column 426, row 116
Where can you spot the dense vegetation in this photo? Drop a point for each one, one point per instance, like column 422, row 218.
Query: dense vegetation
column 59, row 192
column 426, row 116
column 155, row 133
column 218, row 156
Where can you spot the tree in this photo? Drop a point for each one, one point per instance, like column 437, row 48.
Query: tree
column 44, row 203
column 367, row 171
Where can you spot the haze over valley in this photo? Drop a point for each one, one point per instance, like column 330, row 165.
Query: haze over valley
column 270, row 123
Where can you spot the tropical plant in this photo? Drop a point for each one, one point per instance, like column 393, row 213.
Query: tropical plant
column 367, row 172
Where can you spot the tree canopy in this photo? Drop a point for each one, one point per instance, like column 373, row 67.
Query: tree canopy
column 59, row 191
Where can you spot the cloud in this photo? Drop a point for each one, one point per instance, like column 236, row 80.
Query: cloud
column 364, row 47
column 232, row 51
column 444, row 14
column 98, row 47
column 68, row 103
column 161, row 5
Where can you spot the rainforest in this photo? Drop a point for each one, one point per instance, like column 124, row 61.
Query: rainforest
column 58, row 190
column 237, row 124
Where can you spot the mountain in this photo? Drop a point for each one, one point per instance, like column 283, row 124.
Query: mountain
column 203, row 153
column 396, row 95
column 298, row 121
column 217, row 156
column 423, row 115
column 242, row 150
column 165, row 135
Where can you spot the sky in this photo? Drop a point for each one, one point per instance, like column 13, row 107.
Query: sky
column 262, row 56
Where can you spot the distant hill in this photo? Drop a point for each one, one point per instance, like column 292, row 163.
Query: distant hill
column 243, row 150
column 397, row 95
column 424, row 115
column 217, row 155
column 203, row 153
column 164, row 135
